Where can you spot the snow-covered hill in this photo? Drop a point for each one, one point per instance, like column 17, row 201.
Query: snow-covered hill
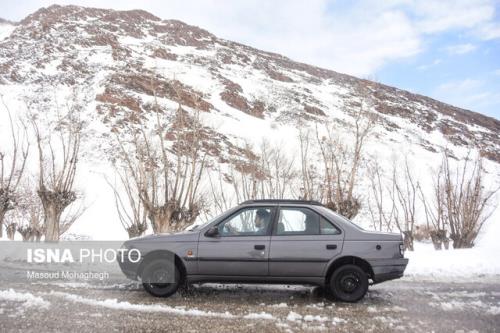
column 6, row 28
column 111, row 60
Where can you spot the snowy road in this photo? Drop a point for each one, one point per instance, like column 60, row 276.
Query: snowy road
column 405, row 305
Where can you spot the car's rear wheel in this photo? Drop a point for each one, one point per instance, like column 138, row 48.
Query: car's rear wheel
column 348, row 283
column 160, row 278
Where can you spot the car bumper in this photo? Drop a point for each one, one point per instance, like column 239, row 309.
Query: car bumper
column 129, row 268
column 388, row 269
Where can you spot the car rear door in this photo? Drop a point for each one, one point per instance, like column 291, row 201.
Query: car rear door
column 241, row 248
column 302, row 243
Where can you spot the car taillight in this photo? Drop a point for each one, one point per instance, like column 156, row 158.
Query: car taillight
column 402, row 249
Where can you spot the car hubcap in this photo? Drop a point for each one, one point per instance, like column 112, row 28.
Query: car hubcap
column 349, row 282
column 160, row 279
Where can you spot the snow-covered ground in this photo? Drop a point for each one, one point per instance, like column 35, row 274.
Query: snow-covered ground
column 25, row 299
column 481, row 260
column 397, row 305
column 427, row 263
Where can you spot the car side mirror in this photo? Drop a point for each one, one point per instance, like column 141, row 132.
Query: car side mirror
column 212, row 232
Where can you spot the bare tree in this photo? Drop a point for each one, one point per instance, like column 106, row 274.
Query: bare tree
column 166, row 165
column 435, row 212
column 270, row 175
column 246, row 176
column 465, row 199
column 279, row 172
column 405, row 195
column 58, row 154
column 70, row 215
column 129, row 206
column 341, row 163
column 381, row 210
column 221, row 191
column 310, row 179
column 12, row 166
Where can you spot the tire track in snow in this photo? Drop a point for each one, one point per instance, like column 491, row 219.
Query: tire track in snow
column 114, row 304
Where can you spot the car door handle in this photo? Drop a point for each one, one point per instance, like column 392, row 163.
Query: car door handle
column 331, row 246
column 259, row 247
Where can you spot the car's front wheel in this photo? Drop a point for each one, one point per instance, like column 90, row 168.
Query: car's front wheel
column 160, row 278
column 348, row 283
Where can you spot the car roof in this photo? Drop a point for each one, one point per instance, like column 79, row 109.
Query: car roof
column 281, row 201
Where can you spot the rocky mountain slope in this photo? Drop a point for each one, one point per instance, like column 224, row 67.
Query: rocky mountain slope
column 115, row 61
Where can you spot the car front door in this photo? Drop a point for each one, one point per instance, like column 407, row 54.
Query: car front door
column 241, row 246
column 302, row 243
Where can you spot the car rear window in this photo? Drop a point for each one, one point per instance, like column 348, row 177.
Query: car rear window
column 339, row 218
column 303, row 221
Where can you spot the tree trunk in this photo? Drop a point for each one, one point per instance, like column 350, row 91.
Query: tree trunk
column 160, row 219
column 2, row 215
column 11, row 231
column 163, row 223
column 443, row 239
column 435, row 240
column 437, row 244
column 26, row 236
column 439, row 239
column 52, row 220
column 136, row 230
column 462, row 241
column 169, row 219
column 408, row 240
column 37, row 236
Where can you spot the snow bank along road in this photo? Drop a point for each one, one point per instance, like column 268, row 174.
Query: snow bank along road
column 404, row 305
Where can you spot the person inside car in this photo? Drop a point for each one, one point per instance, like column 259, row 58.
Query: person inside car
column 261, row 222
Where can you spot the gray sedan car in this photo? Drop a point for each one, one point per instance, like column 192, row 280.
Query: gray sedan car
column 269, row 241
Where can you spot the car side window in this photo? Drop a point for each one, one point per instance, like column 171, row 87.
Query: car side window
column 303, row 221
column 326, row 228
column 253, row 221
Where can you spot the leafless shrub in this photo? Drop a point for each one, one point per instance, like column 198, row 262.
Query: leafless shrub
column 12, row 166
column 465, row 199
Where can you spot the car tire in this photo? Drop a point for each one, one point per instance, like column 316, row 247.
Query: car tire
column 160, row 267
column 348, row 283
